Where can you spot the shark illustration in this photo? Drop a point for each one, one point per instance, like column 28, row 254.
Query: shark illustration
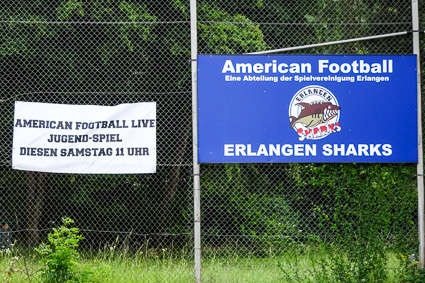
column 314, row 113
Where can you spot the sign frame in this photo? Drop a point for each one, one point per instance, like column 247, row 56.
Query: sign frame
column 236, row 92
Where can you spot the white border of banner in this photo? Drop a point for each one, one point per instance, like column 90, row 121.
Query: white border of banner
column 85, row 139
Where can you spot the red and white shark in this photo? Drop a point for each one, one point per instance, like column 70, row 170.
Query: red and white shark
column 314, row 113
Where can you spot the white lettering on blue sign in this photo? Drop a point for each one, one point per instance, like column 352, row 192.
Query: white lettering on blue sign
column 307, row 150
column 356, row 67
column 260, row 68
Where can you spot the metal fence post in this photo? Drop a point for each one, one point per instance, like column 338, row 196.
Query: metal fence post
column 196, row 167
column 420, row 168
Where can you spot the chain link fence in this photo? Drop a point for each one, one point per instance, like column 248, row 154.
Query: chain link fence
column 101, row 52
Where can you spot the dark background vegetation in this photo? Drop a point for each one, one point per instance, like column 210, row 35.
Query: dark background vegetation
column 109, row 52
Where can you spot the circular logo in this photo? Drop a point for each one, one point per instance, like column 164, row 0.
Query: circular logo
column 314, row 113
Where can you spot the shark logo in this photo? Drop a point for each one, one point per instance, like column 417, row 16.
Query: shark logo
column 314, row 113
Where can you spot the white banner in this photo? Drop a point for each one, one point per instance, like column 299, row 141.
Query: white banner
column 85, row 139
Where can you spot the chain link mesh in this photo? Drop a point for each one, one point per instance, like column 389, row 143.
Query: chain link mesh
column 101, row 52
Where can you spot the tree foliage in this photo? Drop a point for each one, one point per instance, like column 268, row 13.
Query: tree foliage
column 110, row 52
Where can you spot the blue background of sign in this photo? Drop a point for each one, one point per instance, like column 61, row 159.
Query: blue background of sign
column 257, row 112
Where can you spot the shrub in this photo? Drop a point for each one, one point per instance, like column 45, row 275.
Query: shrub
column 60, row 256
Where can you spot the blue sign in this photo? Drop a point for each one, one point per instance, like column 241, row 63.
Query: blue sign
column 298, row 108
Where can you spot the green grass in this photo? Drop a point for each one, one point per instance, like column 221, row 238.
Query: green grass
column 295, row 265
column 110, row 265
